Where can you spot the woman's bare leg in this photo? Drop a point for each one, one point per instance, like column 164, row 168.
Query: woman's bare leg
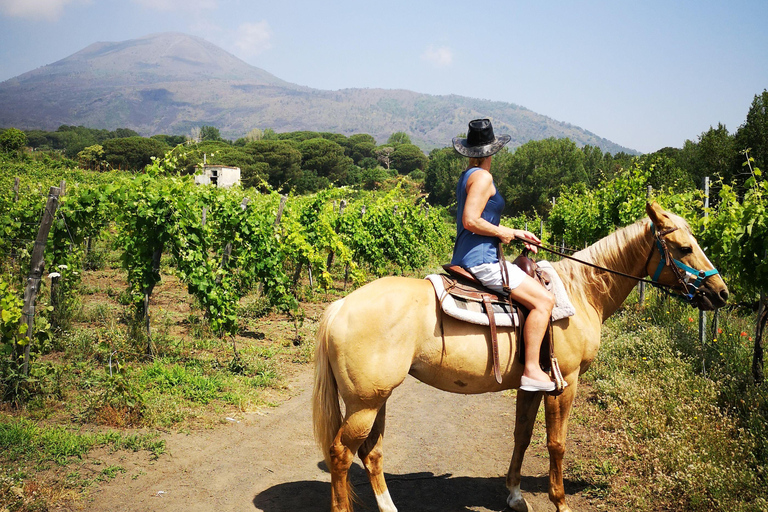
column 539, row 303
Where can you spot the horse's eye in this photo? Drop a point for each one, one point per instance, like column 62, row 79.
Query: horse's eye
column 686, row 249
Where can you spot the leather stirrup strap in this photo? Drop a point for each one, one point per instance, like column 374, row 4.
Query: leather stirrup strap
column 494, row 338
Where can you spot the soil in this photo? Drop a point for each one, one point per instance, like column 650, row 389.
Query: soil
column 443, row 452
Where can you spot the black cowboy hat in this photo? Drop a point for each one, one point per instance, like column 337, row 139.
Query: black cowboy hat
column 480, row 141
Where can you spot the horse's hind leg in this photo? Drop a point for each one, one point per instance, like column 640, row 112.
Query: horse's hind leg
column 526, row 407
column 372, row 455
column 353, row 432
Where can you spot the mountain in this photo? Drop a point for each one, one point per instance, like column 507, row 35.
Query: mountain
column 171, row 83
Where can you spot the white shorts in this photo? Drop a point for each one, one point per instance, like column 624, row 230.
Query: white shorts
column 490, row 275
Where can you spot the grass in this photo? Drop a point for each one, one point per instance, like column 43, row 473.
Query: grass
column 682, row 427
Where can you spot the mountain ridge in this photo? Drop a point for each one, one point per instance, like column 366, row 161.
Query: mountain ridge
column 173, row 82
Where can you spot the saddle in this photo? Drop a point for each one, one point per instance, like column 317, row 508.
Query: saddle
column 461, row 283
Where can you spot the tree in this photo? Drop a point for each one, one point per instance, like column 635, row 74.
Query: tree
column 715, row 155
column 122, row 133
column 407, row 158
column 255, row 134
column 361, row 146
column 753, row 134
column 281, row 159
column 536, row 172
column 399, row 138
column 170, row 140
column 209, row 133
column 325, row 158
column 299, row 136
column 384, row 155
column 442, row 175
column 133, row 153
column 12, row 140
column 92, row 157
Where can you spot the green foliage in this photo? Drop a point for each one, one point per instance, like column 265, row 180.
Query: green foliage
column 132, row 153
column 361, row 146
column 92, row 157
column 13, row 332
column 322, row 158
column 753, row 134
column 280, row 162
column 536, row 172
column 209, row 133
column 695, row 440
column 12, row 140
column 73, row 139
column 442, row 175
column 399, row 138
column 170, row 140
column 406, row 158
column 736, row 232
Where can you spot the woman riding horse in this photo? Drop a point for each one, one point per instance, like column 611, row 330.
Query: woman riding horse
column 371, row 340
column 478, row 234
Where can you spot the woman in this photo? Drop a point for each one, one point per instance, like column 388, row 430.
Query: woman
column 478, row 233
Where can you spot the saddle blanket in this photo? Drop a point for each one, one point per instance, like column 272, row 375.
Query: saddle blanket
column 471, row 311
column 474, row 312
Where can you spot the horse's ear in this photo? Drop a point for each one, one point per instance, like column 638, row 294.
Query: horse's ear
column 658, row 216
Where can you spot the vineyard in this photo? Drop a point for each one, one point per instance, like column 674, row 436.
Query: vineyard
column 239, row 255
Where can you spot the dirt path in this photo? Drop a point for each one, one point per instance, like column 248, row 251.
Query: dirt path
column 443, row 452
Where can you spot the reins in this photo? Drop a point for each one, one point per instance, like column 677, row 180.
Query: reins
column 589, row 264
column 688, row 278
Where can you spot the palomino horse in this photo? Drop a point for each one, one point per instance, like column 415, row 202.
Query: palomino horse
column 369, row 341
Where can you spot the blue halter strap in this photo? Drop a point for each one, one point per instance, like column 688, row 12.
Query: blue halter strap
column 690, row 278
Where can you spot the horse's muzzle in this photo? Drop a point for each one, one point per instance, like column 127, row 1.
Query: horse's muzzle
column 707, row 299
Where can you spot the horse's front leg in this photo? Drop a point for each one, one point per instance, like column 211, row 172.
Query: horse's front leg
column 526, row 407
column 558, row 409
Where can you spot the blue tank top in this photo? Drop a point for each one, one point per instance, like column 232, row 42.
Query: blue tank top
column 472, row 249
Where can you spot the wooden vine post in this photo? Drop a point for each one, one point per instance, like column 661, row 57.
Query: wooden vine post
column 331, row 254
column 641, row 284
column 703, row 314
column 36, row 271
column 762, row 320
column 156, row 256
column 346, row 267
column 56, row 276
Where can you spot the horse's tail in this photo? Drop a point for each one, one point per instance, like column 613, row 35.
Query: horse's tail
column 326, row 412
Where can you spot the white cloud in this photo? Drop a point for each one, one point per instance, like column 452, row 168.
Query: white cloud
column 185, row 6
column 36, row 9
column 440, row 57
column 253, row 38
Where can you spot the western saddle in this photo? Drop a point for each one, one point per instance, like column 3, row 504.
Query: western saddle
column 460, row 282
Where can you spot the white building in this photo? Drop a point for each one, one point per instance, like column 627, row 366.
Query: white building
column 218, row 175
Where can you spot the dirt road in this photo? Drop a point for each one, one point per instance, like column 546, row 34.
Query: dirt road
column 443, row 452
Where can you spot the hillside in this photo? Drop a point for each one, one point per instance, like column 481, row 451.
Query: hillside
column 171, row 83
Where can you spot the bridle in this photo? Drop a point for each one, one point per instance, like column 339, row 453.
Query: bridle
column 689, row 279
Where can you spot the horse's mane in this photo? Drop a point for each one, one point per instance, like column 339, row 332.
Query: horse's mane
column 617, row 251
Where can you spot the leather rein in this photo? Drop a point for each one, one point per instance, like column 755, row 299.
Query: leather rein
column 688, row 278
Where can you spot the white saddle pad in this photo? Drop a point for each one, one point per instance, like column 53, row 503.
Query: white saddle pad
column 472, row 312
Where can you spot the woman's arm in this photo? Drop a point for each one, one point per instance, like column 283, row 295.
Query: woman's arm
column 480, row 189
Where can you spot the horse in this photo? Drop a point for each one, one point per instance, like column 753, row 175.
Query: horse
column 369, row 341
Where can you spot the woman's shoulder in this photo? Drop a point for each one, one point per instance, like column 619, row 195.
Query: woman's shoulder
column 478, row 174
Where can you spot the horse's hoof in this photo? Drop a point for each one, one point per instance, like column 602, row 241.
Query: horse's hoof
column 519, row 505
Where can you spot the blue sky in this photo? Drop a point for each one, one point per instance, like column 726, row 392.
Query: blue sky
column 645, row 74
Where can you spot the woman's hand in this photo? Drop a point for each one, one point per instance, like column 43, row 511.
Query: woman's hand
column 523, row 235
